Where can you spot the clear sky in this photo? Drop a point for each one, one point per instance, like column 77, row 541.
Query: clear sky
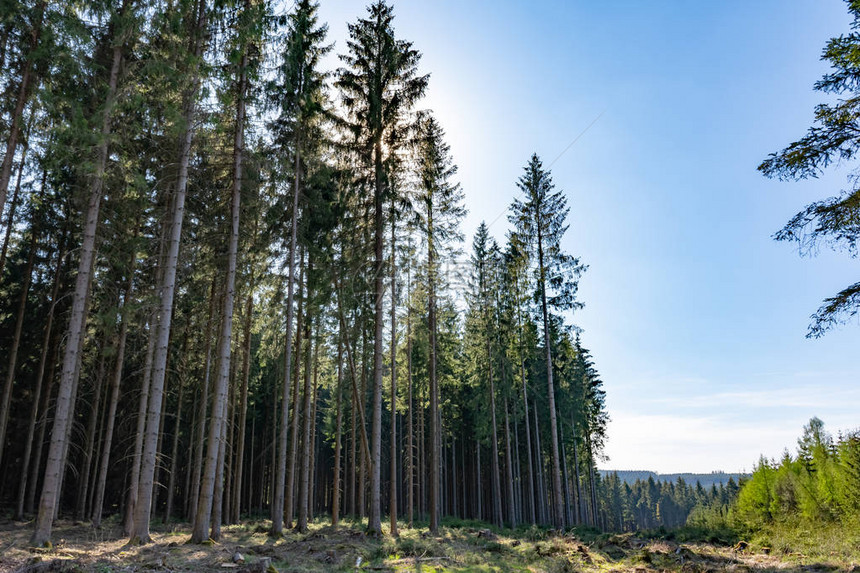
column 694, row 315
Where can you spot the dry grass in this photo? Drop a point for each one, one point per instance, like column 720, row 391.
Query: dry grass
column 467, row 548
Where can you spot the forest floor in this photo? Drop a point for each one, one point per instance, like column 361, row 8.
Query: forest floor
column 459, row 547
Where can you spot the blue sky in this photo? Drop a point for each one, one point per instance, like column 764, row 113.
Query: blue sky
column 695, row 316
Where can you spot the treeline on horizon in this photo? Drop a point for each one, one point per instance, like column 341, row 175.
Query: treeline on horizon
column 232, row 284
column 706, row 480
column 648, row 504
column 818, row 486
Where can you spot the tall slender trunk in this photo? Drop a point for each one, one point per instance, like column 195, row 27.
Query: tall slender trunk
column 592, row 481
column 225, row 467
column 518, row 475
column 356, row 393
column 352, row 458
column 454, row 493
column 116, row 379
column 40, row 380
column 410, row 441
column 479, row 486
column 30, row 503
column 431, row 371
column 217, row 428
column 67, row 440
column 312, row 481
column 174, row 449
column 199, row 447
column 143, row 403
column 512, row 513
column 294, row 436
column 580, row 518
column 304, row 476
column 16, row 339
column 567, row 503
column 68, row 382
column 143, row 504
column 531, row 480
column 281, row 470
column 86, row 464
column 374, row 522
column 23, row 96
column 243, row 401
column 422, row 458
column 558, row 506
column 364, row 467
column 335, row 499
column 540, row 495
column 392, row 502
column 494, row 445
column 216, row 512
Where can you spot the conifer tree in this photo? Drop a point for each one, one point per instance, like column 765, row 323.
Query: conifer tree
column 539, row 219
column 378, row 86
column 440, row 211
column 123, row 25
column 140, row 501
column 833, row 138
column 299, row 98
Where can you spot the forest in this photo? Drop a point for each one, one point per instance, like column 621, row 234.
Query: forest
column 235, row 284
column 236, row 296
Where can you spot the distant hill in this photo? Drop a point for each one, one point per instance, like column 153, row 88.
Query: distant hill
column 707, row 480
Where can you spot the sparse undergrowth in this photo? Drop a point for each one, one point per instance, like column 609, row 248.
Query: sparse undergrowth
column 460, row 546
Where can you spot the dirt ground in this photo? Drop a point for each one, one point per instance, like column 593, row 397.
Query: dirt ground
column 247, row 548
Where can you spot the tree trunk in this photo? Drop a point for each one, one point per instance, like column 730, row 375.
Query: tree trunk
column 174, row 450
column 512, row 514
column 312, row 480
column 479, row 486
column 567, row 504
column 116, row 379
column 217, row 429
column 335, row 499
column 243, row 401
column 197, row 471
column 392, row 502
column 143, row 503
column 68, row 382
column 40, row 380
column 592, row 481
column 364, row 467
column 86, row 465
column 434, row 386
column 304, row 476
column 30, row 504
column 580, row 515
column 216, row 512
column 540, row 495
column 143, row 403
column 558, row 506
column 294, row 438
column 494, row 445
column 374, row 522
column 531, row 480
column 281, row 470
column 16, row 339
column 518, row 475
column 410, row 441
